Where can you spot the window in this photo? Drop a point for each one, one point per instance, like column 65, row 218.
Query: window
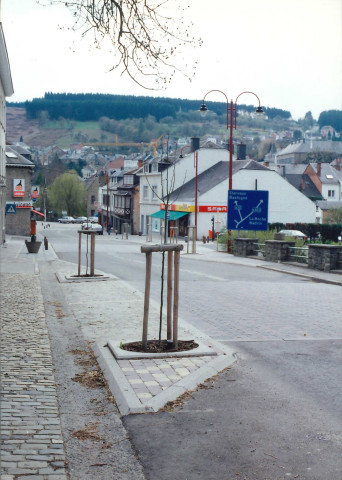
column 331, row 193
column 129, row 179
column 145, row 192
column 155, row 167
column 154, row 191
column 92, row 200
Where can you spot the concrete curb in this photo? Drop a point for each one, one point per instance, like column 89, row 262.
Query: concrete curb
column 125, row 397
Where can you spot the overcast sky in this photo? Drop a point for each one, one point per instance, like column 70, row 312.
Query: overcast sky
column 289, row 52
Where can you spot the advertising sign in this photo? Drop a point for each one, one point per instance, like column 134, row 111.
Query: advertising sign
column 34, row 192
column 247, row 210
column 18, row 187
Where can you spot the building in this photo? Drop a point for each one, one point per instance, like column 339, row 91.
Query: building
column 160, row 176
column 19, row 171
column 6, row 90
column 286, row 203
column 307, row 150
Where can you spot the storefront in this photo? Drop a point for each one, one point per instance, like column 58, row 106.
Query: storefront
column 177, row 222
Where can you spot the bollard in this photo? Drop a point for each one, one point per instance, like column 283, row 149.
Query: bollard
column 46, row 243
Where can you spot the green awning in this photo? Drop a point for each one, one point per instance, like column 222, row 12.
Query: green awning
column 173, row 215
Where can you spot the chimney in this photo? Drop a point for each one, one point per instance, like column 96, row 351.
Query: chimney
column 140, row 163
column 241, row 151
column 195, row 144
column 283, row 171
column 319, row 169
column 266, row 164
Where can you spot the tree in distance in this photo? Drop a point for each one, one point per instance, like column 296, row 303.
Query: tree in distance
column 146, row 36
column 68, row 193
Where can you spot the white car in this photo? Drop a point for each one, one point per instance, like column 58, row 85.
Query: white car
column 80, row 219
column 94, row 227
column 93, row 220
column 294, row 234
column 66, row 220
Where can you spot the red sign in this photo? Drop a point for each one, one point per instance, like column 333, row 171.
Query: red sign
column 212, row 208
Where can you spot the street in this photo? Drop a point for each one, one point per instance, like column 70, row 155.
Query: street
column 276, row 413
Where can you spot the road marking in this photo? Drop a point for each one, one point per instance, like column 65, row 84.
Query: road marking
column 212, row 277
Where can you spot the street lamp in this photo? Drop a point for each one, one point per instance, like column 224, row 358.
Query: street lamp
column 231, row 123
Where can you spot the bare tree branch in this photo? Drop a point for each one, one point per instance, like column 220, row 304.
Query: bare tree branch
column 147, row 40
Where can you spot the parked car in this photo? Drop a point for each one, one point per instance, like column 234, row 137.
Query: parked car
column 66, row 219
column 80, row 220
column 95, row 227
column 93, row 219
column 294, row 234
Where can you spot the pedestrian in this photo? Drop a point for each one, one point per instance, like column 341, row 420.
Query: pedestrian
column 109, row 227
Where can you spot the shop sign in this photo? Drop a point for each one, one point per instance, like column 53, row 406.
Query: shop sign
column 212, row 208
column 179, row 208
column 18, row 187
column 18, row 204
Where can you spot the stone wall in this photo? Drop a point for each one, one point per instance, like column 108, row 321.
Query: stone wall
column 277, row 250
column 244, row 247
column 324, row 257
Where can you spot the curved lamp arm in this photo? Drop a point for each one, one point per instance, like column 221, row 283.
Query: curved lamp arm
column 204, row 109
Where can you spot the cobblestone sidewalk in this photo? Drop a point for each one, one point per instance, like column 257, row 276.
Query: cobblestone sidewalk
column 32, row 445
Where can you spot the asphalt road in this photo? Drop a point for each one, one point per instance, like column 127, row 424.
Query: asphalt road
column 277, row 413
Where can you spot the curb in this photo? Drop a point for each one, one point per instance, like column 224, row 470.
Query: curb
column 126, row 399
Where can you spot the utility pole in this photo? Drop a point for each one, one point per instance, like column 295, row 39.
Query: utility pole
column 107, row 181
column 45, row 195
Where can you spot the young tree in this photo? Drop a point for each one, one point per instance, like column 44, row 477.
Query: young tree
column 68, row 193
column 146, row 35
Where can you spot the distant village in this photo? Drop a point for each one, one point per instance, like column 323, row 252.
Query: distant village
column 130, row 191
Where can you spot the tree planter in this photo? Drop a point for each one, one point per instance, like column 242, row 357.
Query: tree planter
column 32, row 247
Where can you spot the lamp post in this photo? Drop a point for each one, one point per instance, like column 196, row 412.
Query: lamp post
column 231, row 123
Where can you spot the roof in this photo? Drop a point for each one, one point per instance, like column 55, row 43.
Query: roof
column 329, row 175
column 14, row 159
column 211, row 177
column 311, row 146
column 329, row 205
column 310, row 190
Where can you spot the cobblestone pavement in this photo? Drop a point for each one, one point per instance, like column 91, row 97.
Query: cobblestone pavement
column 148, row 378
column 32, row 442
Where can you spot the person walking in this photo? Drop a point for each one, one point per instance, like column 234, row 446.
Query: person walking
column 109, row 227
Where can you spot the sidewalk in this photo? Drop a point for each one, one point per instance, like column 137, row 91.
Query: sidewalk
column 32, row 441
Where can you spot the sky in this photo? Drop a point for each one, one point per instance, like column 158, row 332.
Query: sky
column 288, row 52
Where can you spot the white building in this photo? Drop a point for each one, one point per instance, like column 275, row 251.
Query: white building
column 286, row 203
column 6, row 90
column 159, row 177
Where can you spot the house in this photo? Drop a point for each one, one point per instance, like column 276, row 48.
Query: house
column 6, row 90
column 125, row 203
column 302, row 151
column 327, row 206
column 286, row 203
column 19, row 171
column 327, row 179
column 327, row 131
column 92, row 187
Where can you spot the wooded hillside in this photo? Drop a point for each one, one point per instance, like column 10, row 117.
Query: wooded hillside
column 91, row 107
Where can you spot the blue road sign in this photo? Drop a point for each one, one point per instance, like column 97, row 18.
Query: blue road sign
column 11, row 208
column 247, row 210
